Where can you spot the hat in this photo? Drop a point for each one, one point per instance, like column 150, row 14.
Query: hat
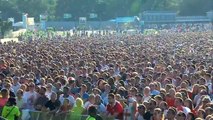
column 71, row 79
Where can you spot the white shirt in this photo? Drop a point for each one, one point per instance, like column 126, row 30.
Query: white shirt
column 16, row 87
column 87, row 104
column 139, row 117
column 104, row 67
column 210, row 88
column 29, row 94
column 146, row 98
column 20, row 103
column 30, row 98
column 70, row 98
column 186, row 110
column 48, row 94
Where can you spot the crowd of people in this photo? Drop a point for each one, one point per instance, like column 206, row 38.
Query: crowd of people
column 128, row 77
column 182, row 27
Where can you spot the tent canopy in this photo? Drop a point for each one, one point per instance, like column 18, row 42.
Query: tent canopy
column 18, row 24
column 123, row 19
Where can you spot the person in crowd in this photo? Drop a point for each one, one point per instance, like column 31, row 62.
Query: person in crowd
column 10, row 110
column 146, row 93
column 4, row 97
column 66, row 95
column 65, row 107
column 150, row 109
column 30, row 96
column 209, row 111
column 141, row 112
column 16, row 85
column 121, row 100
column 77, row 110
column 171, row 114
column 164, row 107
column 180, row 116
column 158, row 114
column 180, row 106
column 53, row 105
column 8, row 86
column 92, row 112
column 49, row 90
column 201, row 114
column 114, row 108
column 101, row 109
column 172, row 71
column 153, row 90
column 91, row 101
column 139, row 98
column 83, row 92
column 170, row 97
column 132, row 103
column 21, row 103
column 41, row 100
column 190, row 116
column 104, row 95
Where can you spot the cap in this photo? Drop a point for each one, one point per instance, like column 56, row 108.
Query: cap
column 71, row 79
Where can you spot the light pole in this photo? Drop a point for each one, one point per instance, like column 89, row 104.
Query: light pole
column 1, row 25
column 0, row 15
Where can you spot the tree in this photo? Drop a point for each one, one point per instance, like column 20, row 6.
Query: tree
column 105, row 9
column 77, row 8
column 9, row 9
column 4, row 27
column 36, row 7
column 195, row 7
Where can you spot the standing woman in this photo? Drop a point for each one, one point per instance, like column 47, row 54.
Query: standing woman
column 10, row 110
column 158, row 114
column 4, row 95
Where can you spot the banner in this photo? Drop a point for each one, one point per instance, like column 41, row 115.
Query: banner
column 30, row 21
column 82, row 20
column 93, row 15
column 67, row 16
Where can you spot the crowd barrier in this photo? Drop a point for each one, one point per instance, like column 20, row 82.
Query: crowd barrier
column 38, row 115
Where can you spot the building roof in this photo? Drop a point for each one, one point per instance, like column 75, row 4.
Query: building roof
column 123, row 19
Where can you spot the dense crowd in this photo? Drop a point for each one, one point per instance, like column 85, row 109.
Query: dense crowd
column 128, row 77
column 182, row 27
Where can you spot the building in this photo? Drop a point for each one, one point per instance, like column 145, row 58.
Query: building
column 162, row 17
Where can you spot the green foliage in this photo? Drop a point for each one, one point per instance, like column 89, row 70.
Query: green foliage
column 5, row 26
column 195, row 7
column 105, row 9
column 9, row 9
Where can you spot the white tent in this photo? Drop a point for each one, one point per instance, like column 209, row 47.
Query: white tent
column 18, row 24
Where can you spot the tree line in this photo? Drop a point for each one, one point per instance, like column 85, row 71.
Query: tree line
column 104, row 9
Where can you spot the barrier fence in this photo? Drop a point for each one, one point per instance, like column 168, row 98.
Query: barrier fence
column 38, row 115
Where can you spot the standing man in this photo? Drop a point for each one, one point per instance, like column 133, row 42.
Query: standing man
column 114, row 108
